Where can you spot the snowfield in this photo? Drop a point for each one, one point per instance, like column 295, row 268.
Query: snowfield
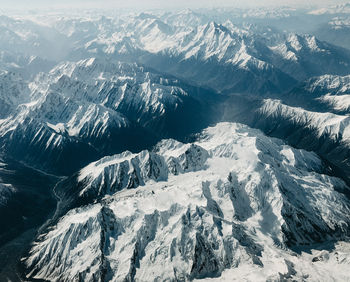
column 233, row 205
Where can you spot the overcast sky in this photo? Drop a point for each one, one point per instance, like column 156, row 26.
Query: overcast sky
column 159, row 3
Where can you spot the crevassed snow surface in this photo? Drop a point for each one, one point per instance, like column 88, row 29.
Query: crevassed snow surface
column 231, row 205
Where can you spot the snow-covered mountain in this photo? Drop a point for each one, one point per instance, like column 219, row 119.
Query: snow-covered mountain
column 336, row 126
column 212, row 51
column 326, row 133
column 327, row 84
column 91, row 94
column 80, row 108
column 26, row 66
column 235, row 200
column 222, row 56
column 326, row 93
column 218, row 57
column 303, row 56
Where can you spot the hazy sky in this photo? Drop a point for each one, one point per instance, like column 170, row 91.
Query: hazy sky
column 159, row 3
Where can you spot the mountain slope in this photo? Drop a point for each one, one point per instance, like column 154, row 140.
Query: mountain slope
column 85, row 109
column 222, row 56
column 90, row 94
column 235, row 199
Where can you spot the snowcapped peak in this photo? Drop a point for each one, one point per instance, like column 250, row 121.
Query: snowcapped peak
column 298, row 42
column 156, row 25
column 312, row 42
column 216, row 28
column 294, row 41
column 230, row 201
column 333, row 84
column 246, row 60
column 213, row 24
column 235, row 29
column 90, row 62
column 65, row 68
column 95, row 168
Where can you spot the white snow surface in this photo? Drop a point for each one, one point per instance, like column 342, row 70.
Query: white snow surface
column 334, row 84
column 84, row 99
column 337, row 102
column 325, row 123
column 227, row 207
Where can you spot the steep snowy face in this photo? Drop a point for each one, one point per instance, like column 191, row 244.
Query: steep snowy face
column 304, row 56
column 115, row 85
column 191, row 52
column 326, row 133
column 127, row 170
column 329, row 90
column 233, row 200
column 213, row 52
column 220, row 56
column 210, row 51
column 339, row 103
column 335, row 126
column 95, row 104
column 333, row 84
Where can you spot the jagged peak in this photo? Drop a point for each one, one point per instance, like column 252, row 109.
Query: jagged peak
column 298, row 42
column 205, row 221
column 212, row 26
column 334, row 84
